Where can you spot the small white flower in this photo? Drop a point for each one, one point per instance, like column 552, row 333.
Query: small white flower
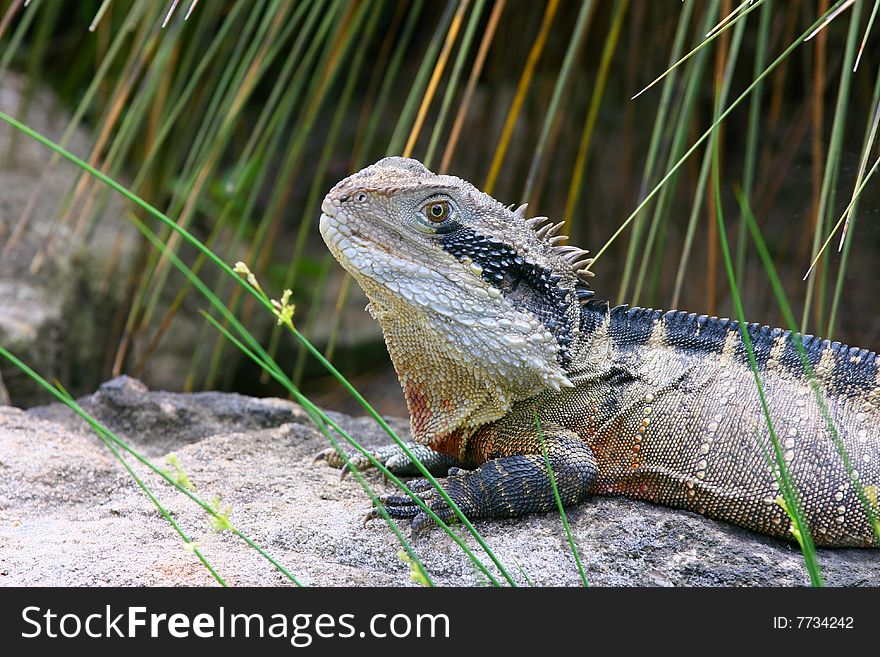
column 284, row 309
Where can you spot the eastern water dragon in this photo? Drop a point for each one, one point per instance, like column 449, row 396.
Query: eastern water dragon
column 490, row 321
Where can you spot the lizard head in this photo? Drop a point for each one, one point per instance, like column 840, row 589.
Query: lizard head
column 478, row 304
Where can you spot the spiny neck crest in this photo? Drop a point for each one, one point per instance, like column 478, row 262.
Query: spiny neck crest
column 578, row 259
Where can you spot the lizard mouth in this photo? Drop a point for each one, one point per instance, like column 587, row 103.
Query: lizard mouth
column 332, row 232
column 344, row 242
column 328, row 208
column 333, row 228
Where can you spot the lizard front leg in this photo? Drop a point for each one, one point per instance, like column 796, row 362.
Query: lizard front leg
column 506, row 486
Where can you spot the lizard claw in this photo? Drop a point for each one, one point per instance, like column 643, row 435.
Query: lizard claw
column 398, row 505
column 336, row 460
column 372, row 514
column 401, row 506
column 330, row 456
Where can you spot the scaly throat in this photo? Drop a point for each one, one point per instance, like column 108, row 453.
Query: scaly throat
column 445, row 391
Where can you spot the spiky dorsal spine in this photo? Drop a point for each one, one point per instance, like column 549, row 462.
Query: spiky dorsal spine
column 578, row 259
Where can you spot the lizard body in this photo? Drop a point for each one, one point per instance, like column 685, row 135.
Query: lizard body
column 490, row 322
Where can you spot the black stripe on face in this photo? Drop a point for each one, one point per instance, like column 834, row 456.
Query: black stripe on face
column 529, row 286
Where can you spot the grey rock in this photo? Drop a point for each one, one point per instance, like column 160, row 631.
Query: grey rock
column 71, row 515
column 4, row 394
column 62, row 274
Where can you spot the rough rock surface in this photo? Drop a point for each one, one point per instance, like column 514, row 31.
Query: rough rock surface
column 71, row 515
column 61, row 278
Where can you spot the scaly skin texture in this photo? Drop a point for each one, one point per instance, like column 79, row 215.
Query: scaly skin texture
column 489, row 321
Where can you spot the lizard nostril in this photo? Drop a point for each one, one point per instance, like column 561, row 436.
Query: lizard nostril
column 344, row 199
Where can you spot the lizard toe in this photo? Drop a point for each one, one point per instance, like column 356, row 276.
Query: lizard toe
column 329, row 456
column 402, row 507
column 422, row 521
column 393, row 457
column 358, row 461
column 421, row 486
column 399, row 463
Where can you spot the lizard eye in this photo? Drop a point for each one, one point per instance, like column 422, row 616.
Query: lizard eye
column 437, row 211
column 437, row 215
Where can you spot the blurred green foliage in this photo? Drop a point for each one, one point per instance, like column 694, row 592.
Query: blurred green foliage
column 236, row 121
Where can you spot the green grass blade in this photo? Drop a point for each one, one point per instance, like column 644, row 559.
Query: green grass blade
column 322, row 421
column 417, row 89
column 562, row 81
column 436, row 74
column 788, row 314
column 752, row 132
column 832, row 169
column 697, row 203
column 850, row 212
column 787, row 484
column 454, row 79
column 660, row 216
column 106, row 433
column 633, row 253
column 710, row 37
column 141, row 484
column 671, row 172
column 571, row 543
column 577, row 175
